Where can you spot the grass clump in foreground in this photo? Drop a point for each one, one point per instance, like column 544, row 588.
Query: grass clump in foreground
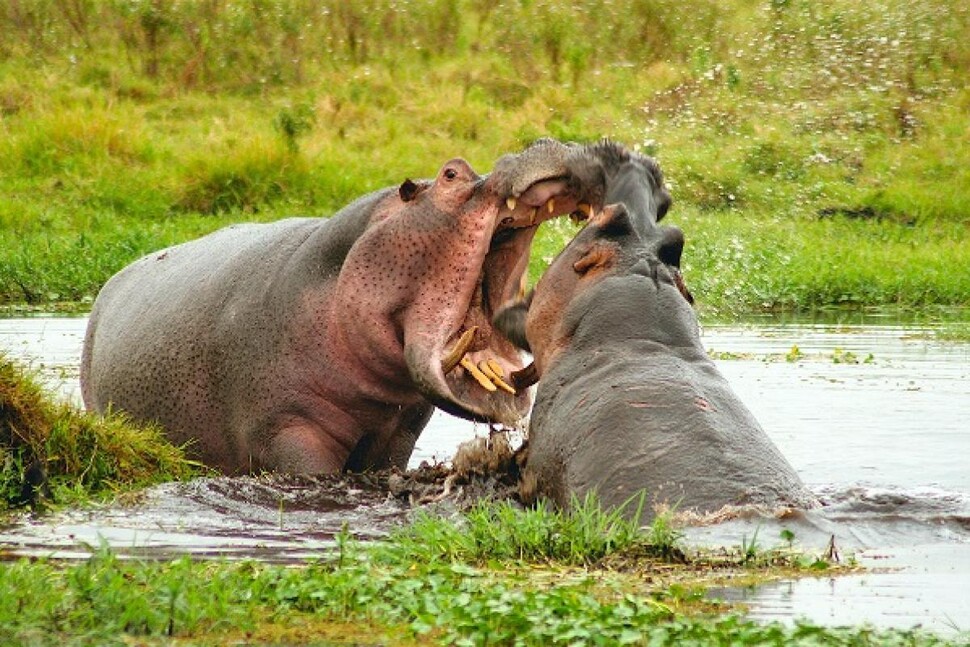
column 51, row 450
column 421, row 585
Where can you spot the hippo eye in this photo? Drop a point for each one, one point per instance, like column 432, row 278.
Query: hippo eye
column 450, row 174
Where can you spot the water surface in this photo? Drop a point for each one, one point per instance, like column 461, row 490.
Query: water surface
column 873, row 418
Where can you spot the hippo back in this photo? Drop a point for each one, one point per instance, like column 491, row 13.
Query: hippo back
column 225, row 290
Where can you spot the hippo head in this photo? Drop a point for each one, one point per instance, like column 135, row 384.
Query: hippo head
column 592, row 273
column 451, row 251
column 622, row 239
column 616, row 174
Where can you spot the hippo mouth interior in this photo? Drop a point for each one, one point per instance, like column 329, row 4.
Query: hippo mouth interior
column 478, row 361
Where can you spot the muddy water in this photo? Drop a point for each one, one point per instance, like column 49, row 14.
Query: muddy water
column 873, row 417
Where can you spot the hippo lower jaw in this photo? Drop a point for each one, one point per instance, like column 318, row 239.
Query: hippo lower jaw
column 467, row 371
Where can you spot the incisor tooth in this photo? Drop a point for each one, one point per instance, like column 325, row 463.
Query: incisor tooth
column 452, row 359
column 510, row 203
column 480, row 377
column 500, row 383
column 496, row 368
column 486, row 367
column 551, row 205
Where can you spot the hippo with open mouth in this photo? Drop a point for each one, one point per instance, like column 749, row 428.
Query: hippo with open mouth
column 628, row 400
column 317, row 345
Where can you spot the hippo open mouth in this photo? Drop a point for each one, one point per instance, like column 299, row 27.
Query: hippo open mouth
column 477, row 360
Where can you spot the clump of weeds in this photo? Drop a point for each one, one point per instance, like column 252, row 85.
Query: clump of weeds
column 391, row 591
column 49, row 451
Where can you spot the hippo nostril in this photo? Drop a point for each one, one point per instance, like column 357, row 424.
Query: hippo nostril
column 451, row 174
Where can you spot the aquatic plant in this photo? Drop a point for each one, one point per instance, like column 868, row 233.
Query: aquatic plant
column 581, row 535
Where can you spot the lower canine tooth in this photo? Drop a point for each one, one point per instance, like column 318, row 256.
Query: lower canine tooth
column 532, row 216
column 587, row 209
column 480, row 377
column 452, row 359
column 551, row 205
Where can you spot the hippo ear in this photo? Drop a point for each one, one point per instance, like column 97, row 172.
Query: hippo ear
column 409, row 190
column 671, row 246
column 597, row 257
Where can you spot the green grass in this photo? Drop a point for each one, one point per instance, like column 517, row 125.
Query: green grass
column 583, row 536
column 817, row 155
column 51, row 452
column 388, row 592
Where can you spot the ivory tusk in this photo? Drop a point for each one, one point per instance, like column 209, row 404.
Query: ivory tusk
column 453, row 358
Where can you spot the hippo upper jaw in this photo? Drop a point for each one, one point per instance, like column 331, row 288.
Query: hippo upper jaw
column 465, row 370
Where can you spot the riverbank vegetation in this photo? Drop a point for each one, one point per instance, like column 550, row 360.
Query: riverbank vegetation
column 420, row 586
column 51, row 452
column 818, row 155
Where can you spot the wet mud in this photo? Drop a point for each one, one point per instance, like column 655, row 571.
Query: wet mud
column 273, row 517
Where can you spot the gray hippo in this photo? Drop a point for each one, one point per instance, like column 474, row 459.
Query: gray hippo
column 628, row 400
column 317, row 345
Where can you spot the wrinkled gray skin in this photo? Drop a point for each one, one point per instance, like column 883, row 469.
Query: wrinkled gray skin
column 315, row 345
column 628, row 399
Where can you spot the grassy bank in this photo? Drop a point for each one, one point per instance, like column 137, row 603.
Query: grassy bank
column 817, row 155
column 439, row 581
column 51, row 452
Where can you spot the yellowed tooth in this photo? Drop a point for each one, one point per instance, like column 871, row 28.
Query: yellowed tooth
column 452, row 359
column 587, row 209
column 510, row 203
column 532, row 216
column 496, row 368
column 486, row 367
column 480, row 377
column 551, row 205
column 500, row 383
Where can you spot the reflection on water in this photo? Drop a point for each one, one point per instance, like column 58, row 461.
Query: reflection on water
column 873, row 418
